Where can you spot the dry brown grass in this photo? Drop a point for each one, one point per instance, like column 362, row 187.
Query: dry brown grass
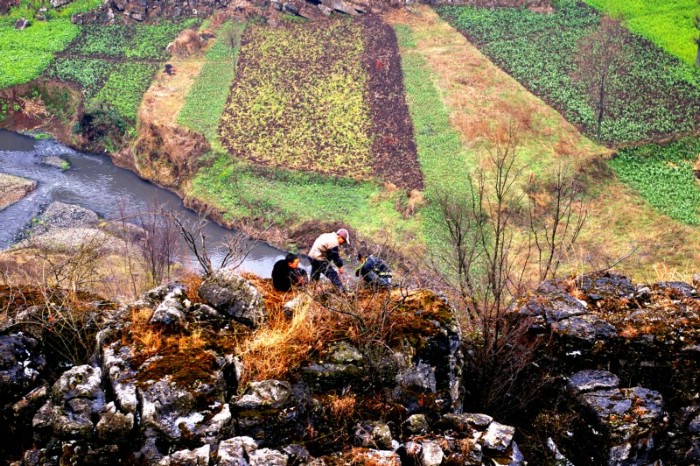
column 186, row 44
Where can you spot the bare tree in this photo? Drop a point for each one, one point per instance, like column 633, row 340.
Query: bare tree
column 159, row 242
column 600, row 60
column 555, row 226
column 489, row 261
column 232, row 253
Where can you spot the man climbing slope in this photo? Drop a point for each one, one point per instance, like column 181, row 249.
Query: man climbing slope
column 325, row 249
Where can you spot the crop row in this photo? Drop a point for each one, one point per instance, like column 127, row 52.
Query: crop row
column 136, row 41
column 298, row 100
column 656, row 95
column 664, row 176
column 114, row 64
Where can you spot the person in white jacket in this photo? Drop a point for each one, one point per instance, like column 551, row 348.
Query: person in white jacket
column 325, row 249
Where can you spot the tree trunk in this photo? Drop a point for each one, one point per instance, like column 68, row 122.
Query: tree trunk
column 697, row 56
column 601, row 103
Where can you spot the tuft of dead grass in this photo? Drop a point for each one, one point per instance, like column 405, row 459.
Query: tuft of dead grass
column 186, row 44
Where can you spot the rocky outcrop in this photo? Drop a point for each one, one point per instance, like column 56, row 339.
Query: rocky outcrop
column 234, row 296
column 605, row 329
column 159, row 392
column 624, row 423
column 13, row 189
column 59, row 215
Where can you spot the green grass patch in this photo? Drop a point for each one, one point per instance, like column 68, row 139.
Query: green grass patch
column 664, row 176
column 25, row 54
column 288, row 199
column 125, row 88
column 445, row 162
column 137, row 41
column 659, row 95
column 115, row 64
column 206, row 100
column 298, row 100
column 669, row 24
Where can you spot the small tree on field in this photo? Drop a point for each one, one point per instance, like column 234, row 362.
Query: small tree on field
column 600, row 61
column 697, row 40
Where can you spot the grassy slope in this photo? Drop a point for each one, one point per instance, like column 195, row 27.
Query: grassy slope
column 441, row 66
column 460, row 103
column 668, row 23
column 281, row 197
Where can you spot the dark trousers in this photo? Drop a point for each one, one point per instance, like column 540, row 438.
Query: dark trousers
column 324, row 267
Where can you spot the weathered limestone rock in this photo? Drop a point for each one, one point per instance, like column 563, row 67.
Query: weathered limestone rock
column 234, row 296
column 114, row 425
column 76, row 399
column 235, row 451
column 416, row 424
column 266, row 394
column 20, row 366
column 14, row 188
column 431, row 454
column 59, row 3
column 465, row 422
column 197, row 457
column 626, row 420
column 21, row 24
column 172, row 410
column 267, row 457
column 171, row 310
column 120, row 376
column 498, row 437
column 375, row 435
column 589, row 380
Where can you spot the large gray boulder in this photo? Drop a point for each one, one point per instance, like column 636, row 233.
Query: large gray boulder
column 234, row 296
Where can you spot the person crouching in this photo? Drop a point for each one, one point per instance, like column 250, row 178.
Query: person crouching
column 286, row 273
column 325, row 249
column 373, row 271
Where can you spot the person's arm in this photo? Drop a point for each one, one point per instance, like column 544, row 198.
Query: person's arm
column 334, row 255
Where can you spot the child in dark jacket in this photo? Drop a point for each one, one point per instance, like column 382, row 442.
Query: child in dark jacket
column 373, row 271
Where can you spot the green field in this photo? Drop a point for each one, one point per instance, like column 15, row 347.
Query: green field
column 664, row 176
column 656, row 96
column 115, row 64
column 669, row 24
column 298, row 100
column 25, row 54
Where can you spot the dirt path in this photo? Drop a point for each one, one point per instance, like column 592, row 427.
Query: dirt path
column 166, row 96
column 483, row 100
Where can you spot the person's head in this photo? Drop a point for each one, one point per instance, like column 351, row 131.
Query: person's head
column 343, row 236
column 362, row 255
column 292, row 260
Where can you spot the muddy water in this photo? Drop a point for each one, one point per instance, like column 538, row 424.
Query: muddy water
column 94, row 182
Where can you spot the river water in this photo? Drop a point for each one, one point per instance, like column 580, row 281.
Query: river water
column 95, row 183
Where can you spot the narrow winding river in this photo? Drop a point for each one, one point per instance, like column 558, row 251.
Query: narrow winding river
column 94, row 182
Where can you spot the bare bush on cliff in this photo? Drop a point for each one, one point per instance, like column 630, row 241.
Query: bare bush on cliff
column 490, row 261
